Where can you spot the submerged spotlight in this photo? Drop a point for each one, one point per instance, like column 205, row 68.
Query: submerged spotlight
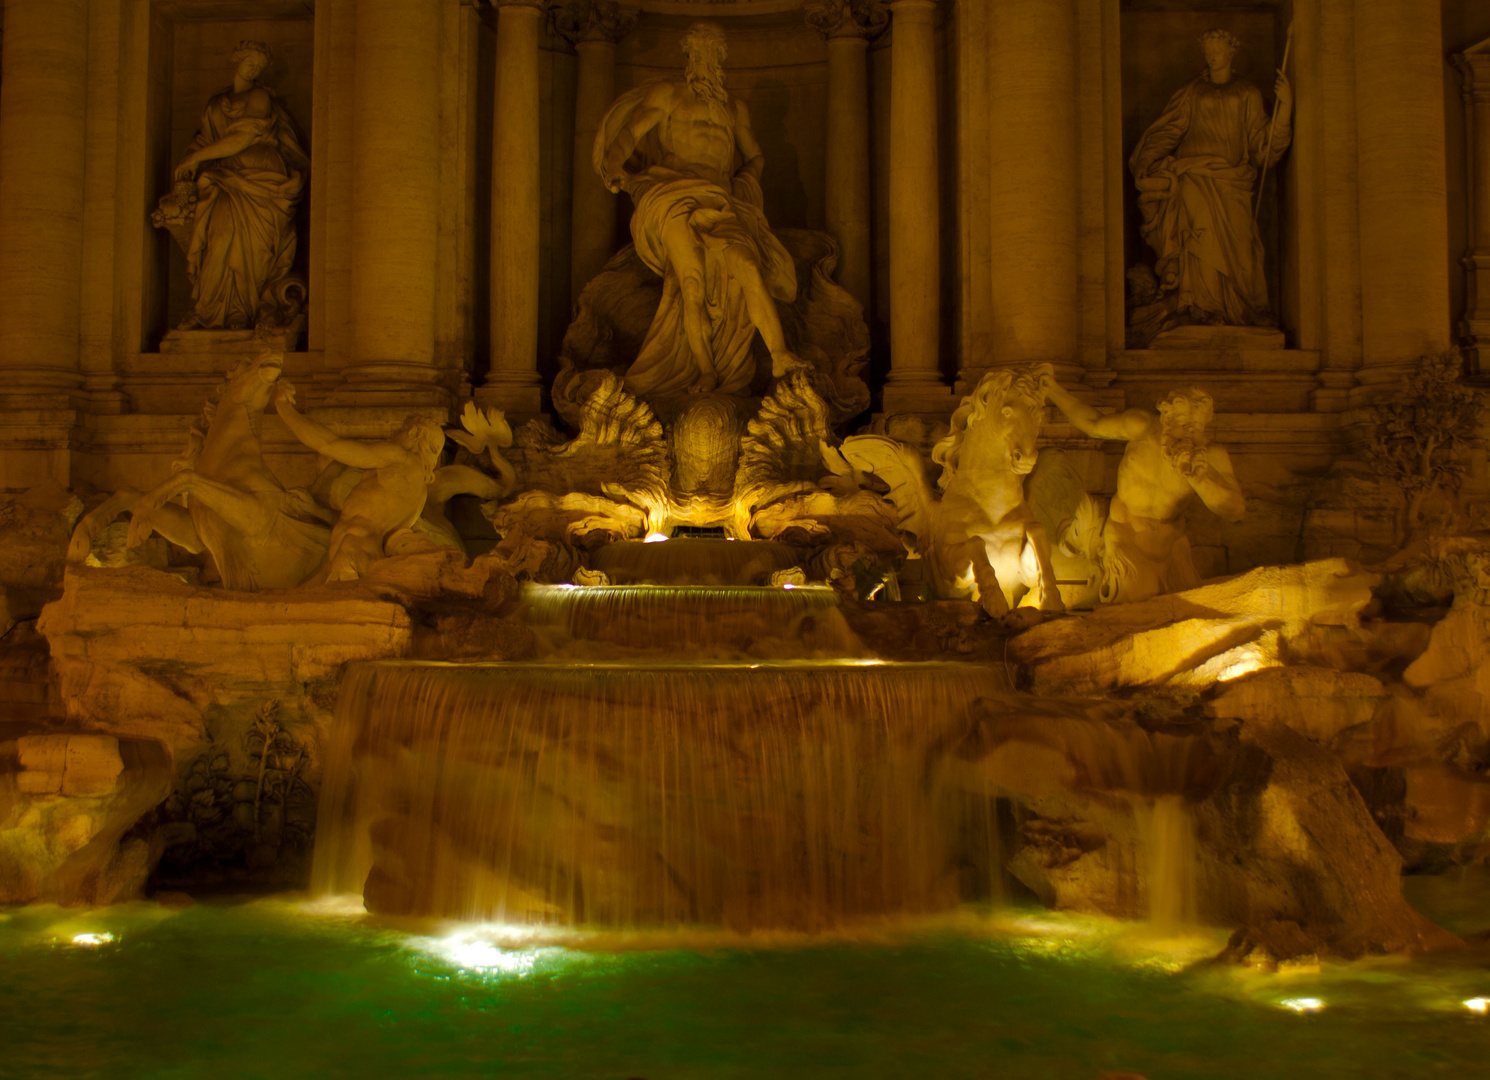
column 654, row 538
column 90, row 941
column 1478, row 1005
column 1303, row 1004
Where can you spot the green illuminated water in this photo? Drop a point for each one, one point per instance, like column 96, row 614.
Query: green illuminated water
column 272, row 988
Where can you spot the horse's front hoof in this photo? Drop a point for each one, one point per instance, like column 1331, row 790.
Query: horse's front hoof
column 1021, row 619
column 79, row 548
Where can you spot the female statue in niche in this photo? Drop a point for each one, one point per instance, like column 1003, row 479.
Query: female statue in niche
column 1195, row 169
column 233, row 206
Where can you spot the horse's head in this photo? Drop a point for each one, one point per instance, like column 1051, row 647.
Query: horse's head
column 996, row 427
column 251, row 382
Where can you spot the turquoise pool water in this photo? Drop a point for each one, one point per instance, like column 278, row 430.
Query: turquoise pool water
column 275, row 988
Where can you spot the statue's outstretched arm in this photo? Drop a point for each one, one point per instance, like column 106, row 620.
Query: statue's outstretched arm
column 241, row 135
column 1163, row 135
column 643, row 119
column 321, row 439
column 1124, row 426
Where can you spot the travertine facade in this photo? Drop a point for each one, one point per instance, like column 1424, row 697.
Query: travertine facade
column 967, row 156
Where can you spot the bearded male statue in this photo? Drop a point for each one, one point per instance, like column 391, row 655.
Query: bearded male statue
column 1141, row 548
column 672, row 145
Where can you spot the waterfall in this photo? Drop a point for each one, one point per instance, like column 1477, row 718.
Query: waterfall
column 786, row 794
column 1171, row 864
column 692, row 621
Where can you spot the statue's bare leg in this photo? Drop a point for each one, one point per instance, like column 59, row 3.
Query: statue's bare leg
column 242, row 511
column 761, row 307
column 172, row 522
column 685, row 259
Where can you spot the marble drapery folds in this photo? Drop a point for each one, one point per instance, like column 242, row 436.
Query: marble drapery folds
column 1195, row 169
column 235, row 220
column 717, row 219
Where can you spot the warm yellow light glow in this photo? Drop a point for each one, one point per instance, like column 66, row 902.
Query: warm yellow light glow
column 1478, row 1004
column 655, row 538
column 1245, row 666
column 90, row 941
column 1303, row 1004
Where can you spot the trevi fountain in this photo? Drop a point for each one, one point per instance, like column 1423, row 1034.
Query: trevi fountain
column 744, row 538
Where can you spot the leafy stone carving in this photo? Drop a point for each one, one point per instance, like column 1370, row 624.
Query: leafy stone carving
column 1418, row 435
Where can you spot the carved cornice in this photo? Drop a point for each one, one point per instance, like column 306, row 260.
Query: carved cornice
column 1473, row 66
column 594, row 20
column 846, row 18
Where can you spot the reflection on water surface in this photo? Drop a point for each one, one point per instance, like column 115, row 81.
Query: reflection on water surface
column 284, row 988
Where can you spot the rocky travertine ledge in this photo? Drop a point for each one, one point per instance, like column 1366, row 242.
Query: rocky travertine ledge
column 233, row 692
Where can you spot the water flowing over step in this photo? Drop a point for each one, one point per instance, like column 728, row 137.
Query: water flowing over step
column 693, row 621
column 750, row 795
column 693, row 561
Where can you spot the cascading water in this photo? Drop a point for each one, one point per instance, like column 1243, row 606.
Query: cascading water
column 1171, row 852
column 666, row 764
column 734, row 620
column 747, row 795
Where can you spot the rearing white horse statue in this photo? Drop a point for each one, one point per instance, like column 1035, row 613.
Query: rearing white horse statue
column 980, row 539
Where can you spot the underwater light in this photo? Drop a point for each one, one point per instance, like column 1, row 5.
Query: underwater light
column 1303, row 1005
column 654, row 538
column 483, row 956
column 90, row 941
column 1478, row 1004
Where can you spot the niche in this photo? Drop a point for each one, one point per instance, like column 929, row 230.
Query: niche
column 1161, row 53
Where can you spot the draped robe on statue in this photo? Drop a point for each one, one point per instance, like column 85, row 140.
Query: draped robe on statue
column 718, row 218
column 243, row 233
column 1195, row 168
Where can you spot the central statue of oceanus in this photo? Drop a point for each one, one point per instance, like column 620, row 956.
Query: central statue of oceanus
column 672, row 144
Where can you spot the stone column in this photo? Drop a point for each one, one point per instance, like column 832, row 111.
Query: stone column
column 512, row 382
column 848, row 25
column 595, row 27
column 1403, row 204
column 915, row 383
column 395, row 207
column 1474, row 71
column 42, row 108
column 1033, row 173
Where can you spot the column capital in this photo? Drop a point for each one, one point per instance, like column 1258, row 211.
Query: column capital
column 1474, row 74
column 594, row 20
column 846, row 18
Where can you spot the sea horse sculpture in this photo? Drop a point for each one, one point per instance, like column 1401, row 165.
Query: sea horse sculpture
column 980, row 539
column 259, row 534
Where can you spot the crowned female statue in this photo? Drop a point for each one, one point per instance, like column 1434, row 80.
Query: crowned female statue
column 233, row 206
column 1196, row 168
